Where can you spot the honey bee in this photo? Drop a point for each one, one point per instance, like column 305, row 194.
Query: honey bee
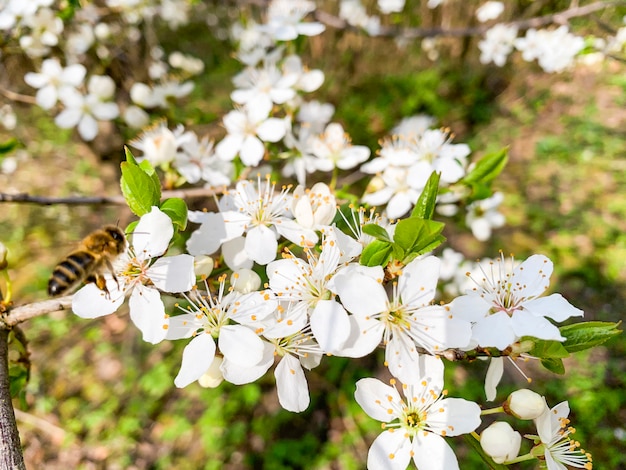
column 89, row 262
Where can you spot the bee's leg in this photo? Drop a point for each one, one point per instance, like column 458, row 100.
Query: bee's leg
column 112, row 271
column 101, row 283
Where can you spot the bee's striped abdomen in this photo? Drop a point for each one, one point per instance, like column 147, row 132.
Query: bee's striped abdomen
column 70, row 272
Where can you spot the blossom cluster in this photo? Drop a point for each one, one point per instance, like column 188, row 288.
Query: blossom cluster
column 324, row 303
column 72, row 84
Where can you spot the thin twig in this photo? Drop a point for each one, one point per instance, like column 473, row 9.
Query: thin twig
column 25, row 312
column 13, row 96
column 413, row 33
column 191, row 193
column 56, row 433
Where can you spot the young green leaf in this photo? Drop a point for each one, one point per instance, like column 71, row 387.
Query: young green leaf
column 147, row 167
column 377, row 232
column 425, row 205
column 141, row 189
column 377, row 253
column 176, row 209
column 554, row 365
column 487, row 168
column 548, row 349
column 415, row 235
column 585, row 335
column 8, row 145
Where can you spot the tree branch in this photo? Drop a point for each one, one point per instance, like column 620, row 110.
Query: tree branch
column 414, row 33
column 191, row 193
column 11, row 457
column 25, row 312
column 13, row 96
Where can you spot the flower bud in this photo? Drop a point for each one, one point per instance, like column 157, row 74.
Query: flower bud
column 521, row 347
column 245, row 281
column 3, row 256
column 212, row 377
column 525, row 404
column 500, row 441
column 202, row 265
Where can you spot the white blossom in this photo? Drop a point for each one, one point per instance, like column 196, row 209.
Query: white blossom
column 423, row 418
column 54, row 80
column 404, row 320
column 560, row 450
column 506, row 304
column 142, row 272
column 497, row 44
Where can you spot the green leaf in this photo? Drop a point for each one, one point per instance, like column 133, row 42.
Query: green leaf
column 149, row 170
column 18, row 379
column 548, row 349
column 480, row 191
column 141, row 189
column 8, row 145
column 377, row 232
column 585, row 335
column 131, row 227
column 425, row 205
column 416, row 236
column 554, row 365
column 377, row 253
column 130, row 158
column 439, row 239
column 176, row 209
column 487, row 168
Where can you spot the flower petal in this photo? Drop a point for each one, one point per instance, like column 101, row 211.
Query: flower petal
column 241, row 345
column 470, row 307
column 235, row 255
column 391, row 450
column 261, row 244
column 148, row 313
column 539, row 327
column 271, row 130
column 152, row 234
column 553, row 306
column 291, row 385
column 198, row 356
column 239, row 375
column 418, row 282
column 493, row 377
column 330, row 325
column 207, row 239
column 403, row 359
column 91, row 302
column 494, row 331
column 360, row 294
column 173, row 274
column 252, row 151
column 365, row 335
column 453, row 417
column 533, row 275
column 376, row 398
column 431, row 451
column 182, row 326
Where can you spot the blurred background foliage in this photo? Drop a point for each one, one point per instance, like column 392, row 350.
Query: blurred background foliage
column 101, row 398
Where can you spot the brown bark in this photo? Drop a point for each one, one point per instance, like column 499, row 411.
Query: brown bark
column 11, row 457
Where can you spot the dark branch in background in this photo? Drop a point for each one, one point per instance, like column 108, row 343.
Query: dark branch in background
column 414, row 33
column 192, row 193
